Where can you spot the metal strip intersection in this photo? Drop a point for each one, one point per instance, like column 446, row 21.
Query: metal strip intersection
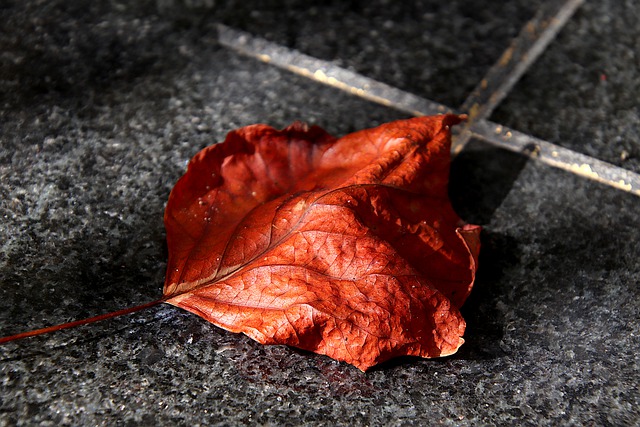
column 327, row 73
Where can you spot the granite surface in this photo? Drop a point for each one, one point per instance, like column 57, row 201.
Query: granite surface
column 102, row 105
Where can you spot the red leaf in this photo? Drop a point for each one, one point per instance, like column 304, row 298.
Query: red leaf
column 346, row 247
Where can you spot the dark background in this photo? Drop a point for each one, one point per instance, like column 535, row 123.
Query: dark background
column 103, row 103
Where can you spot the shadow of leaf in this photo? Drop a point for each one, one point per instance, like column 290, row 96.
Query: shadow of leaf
column 481, row 178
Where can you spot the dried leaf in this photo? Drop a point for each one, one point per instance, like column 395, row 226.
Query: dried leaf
column 346, row 247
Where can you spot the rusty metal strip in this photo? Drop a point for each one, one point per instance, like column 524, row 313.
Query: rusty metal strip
column 556, row 156
column 327, row 73
column 523, row 51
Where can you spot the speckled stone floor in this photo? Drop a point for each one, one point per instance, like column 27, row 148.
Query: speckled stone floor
column 103, row 103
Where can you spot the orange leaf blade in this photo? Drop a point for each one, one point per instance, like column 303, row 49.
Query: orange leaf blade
column 346, row 247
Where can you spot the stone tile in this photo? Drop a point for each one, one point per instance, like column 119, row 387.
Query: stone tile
column 101, row 108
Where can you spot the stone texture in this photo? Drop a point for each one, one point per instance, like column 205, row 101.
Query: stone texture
column 102, row 105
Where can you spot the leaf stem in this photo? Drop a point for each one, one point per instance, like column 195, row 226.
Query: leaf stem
column 80, row 322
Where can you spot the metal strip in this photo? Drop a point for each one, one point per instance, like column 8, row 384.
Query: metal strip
column 327, row 73
column 492, row 133
column 556, row 156
column 523, row 51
